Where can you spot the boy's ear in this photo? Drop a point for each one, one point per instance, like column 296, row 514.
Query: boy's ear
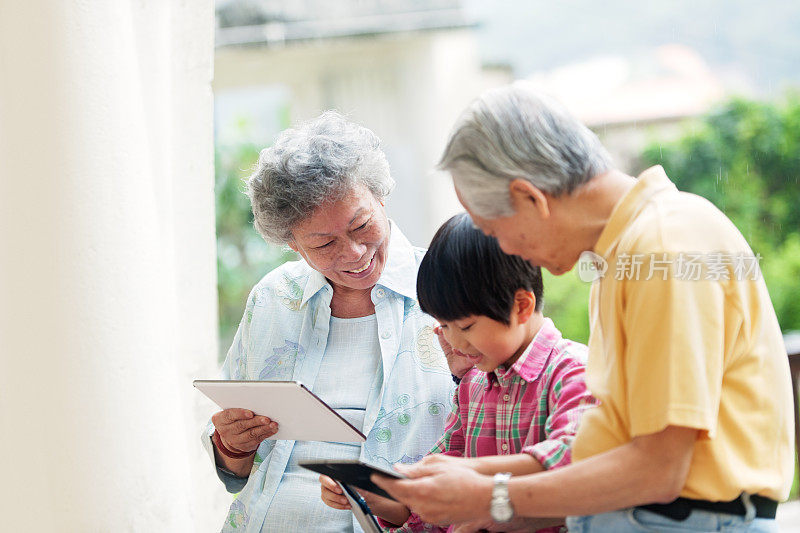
column 524, row 305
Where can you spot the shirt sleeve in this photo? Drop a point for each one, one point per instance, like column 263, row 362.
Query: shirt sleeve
column 233, row 483
column 568, row 398
column 452, row 441
column 673, row 357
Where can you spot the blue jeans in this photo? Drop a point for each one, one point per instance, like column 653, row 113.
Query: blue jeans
column 640, row 521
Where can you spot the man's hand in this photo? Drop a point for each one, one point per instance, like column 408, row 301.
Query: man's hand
column 440, row 492
column 473, row 526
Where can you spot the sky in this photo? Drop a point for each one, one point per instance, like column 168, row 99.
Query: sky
column 754, row 45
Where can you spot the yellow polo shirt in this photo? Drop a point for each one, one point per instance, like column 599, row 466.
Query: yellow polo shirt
column 696, row 345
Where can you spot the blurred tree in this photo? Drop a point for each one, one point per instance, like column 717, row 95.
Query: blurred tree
column 745, row 158
column 566, row 301
column 243, row 257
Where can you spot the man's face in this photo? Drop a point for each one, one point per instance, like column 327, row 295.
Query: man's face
column 530, row 233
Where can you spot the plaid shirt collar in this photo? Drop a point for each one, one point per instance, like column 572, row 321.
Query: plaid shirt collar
column 532, row 361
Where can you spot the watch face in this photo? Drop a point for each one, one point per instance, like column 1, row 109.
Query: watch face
column 501, row 511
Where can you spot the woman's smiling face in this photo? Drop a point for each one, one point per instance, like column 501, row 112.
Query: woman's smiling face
column 346, row 240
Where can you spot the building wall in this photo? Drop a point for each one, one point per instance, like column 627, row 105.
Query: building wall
column 409, row 88
column 107, row 266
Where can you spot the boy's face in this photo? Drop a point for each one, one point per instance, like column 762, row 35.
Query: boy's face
column 485, row 342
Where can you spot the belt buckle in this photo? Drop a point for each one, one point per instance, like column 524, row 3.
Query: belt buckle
column 749, row 507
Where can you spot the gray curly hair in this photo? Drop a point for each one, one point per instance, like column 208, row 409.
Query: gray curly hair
column 322, row 159
column 515, row 132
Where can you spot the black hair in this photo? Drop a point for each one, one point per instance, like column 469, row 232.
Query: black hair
column 465, row 273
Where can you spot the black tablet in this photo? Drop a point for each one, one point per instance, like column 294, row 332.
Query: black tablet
column 361, row 510
column 355, row 473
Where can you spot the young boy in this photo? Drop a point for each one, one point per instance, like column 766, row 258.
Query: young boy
column 517, row 411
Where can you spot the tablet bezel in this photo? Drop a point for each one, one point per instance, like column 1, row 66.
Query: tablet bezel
column 349, row 466
column 297, row 384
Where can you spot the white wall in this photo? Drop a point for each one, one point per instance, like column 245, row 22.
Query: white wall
column 107, row 265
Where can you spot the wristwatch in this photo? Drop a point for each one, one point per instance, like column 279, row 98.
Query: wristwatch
column 500, row 508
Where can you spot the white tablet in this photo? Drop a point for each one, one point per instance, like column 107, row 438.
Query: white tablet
column 300, row 414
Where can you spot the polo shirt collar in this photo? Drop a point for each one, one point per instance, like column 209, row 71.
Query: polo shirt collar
column 651, row 181
column 532, row 362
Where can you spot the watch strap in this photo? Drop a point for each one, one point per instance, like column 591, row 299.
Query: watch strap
column 501, row 508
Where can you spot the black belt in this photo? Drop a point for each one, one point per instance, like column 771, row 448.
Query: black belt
column 681, row 508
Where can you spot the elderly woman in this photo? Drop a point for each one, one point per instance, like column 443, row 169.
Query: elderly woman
column 344, row 320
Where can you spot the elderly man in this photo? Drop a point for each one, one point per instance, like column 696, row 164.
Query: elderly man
column 694, row 427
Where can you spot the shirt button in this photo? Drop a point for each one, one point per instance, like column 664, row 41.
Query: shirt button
column 380, row 293
column 504, row 447
column 506, row 397
column 386, row 334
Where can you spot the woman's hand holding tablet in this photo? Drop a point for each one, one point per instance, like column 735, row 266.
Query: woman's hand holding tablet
column 241, row 431
column 298, row 413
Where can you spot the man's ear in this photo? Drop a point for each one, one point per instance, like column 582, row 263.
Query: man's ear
column 524, row 194
column 524, row 305
column 293, row 245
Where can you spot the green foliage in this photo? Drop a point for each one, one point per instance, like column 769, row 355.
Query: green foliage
column 243, row 257
column 745, row 158
column 566, row 301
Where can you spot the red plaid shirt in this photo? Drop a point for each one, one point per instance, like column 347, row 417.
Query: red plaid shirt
column 533, row 407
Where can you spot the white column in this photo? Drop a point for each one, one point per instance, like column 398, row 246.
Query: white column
column 107, row 265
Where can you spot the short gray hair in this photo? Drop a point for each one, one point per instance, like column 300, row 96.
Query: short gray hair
column 319, row 160
column 515, row 132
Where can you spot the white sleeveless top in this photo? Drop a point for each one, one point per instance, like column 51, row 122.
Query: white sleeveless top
column 351, row 367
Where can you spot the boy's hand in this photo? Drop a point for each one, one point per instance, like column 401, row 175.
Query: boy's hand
column 332, row 494
column 459, row 366
column 440, row 460
column 389, row 510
